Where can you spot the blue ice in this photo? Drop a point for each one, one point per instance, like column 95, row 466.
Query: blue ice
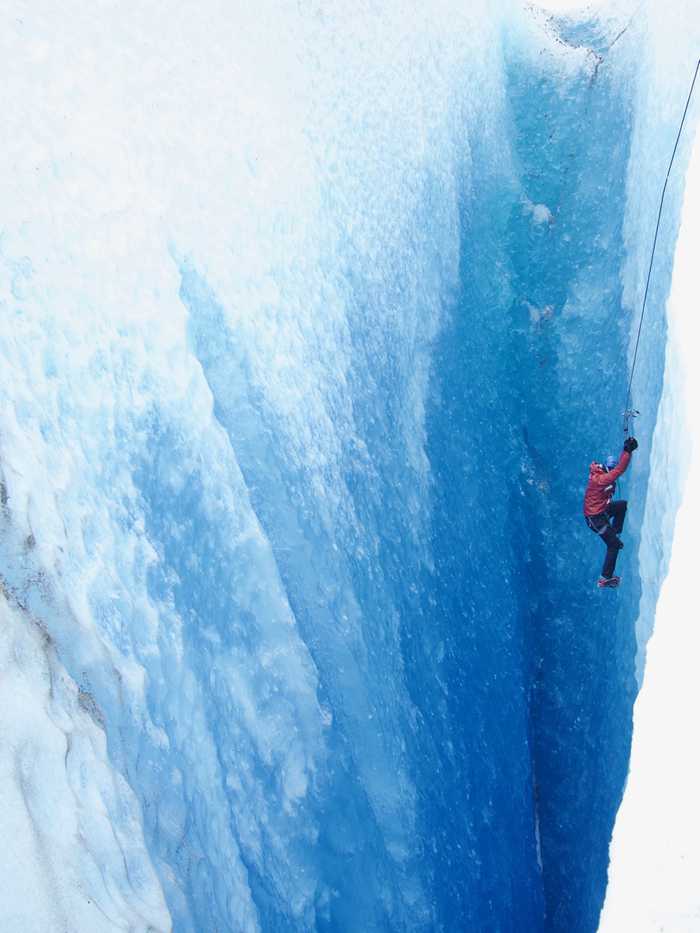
column 314, row 318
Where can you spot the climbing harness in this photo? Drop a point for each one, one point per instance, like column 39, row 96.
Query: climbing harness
column 602, row 529
column 630, row 413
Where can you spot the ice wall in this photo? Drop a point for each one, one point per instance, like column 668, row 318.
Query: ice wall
column 654, row 852
column 229, row 241
column 567, row 249
column 73, row 856
column 655, row 856
column 666, row 63
column 292, row 394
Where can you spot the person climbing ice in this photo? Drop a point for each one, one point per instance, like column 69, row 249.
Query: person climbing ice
column 603, row 515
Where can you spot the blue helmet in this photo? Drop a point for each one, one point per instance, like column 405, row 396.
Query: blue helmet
column 610, row 463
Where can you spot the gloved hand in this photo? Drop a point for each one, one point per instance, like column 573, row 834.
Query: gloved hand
column 630, row 444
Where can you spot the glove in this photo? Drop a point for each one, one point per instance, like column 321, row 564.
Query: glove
column 630, row 444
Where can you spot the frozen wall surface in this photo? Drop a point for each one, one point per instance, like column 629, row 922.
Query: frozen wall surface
column 313, row 316
column 73, row 854
column 655, row 855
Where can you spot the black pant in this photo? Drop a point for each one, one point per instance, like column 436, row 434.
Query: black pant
column 608, row 525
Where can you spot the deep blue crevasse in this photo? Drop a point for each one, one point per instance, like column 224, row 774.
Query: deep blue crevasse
column 573, row 144
column 520, row 673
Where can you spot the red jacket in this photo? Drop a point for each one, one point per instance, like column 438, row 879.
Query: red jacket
column 601, row 485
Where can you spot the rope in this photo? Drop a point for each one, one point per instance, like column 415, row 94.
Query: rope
column 653, row 248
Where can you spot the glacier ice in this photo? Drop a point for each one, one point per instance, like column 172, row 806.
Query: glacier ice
column 74, row 855
column 654, row 852
column 311, row 315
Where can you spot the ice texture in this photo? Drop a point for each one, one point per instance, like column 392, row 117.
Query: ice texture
column 313, row 318
column 73, row 856
column 655, row 855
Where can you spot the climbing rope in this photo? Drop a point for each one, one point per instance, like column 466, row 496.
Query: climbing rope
column 630, row 413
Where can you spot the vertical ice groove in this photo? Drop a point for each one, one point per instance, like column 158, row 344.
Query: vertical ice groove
column 564, row 77
column 304, row 504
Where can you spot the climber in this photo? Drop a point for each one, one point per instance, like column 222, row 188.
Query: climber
column 602, row 514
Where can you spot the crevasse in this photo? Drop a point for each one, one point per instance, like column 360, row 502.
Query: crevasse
column 314, row 320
